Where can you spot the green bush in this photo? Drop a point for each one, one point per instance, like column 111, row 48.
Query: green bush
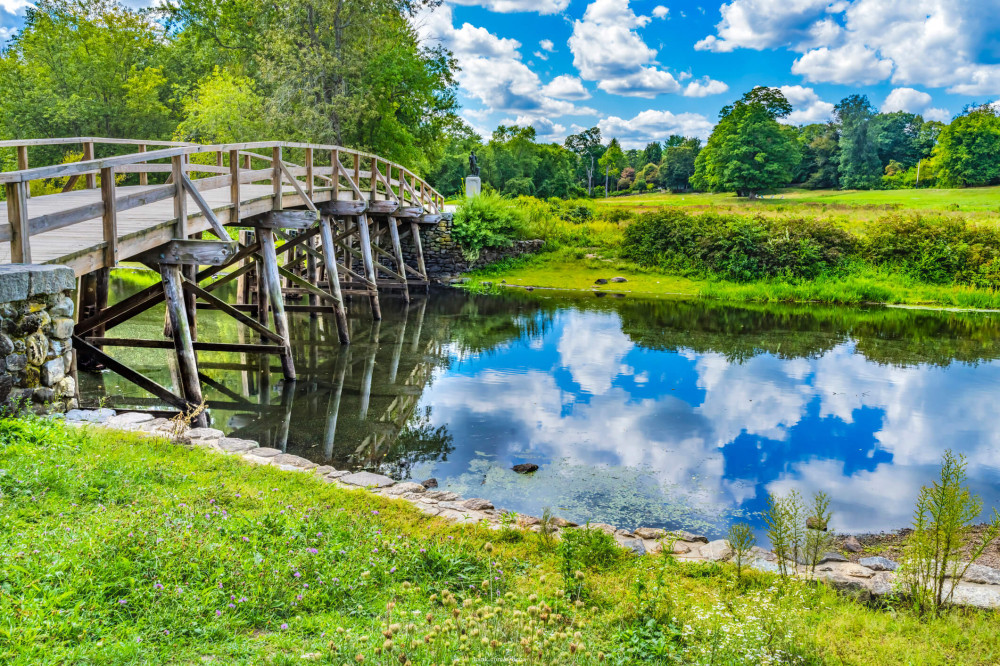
column 487, row 221
column 740, row 248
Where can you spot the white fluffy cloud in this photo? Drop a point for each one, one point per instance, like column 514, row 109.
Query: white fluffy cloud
column 846, row 64
column 807, row 106
column 606, row 48
column 566, row 87
column 660, row 11
column 654, row 125
column 914, row 101
column 511, row 6
column 547, row 45
column 491, row 68
column 933, row 43
column 705, row 87
column 546, row 130
column 14, row 6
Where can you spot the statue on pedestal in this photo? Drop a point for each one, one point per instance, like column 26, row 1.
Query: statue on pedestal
column 473, row 164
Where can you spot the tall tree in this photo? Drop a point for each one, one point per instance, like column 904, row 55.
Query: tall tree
column 749, row 151
column 968, row 150
column 859, row 167
column 820, row 147
column 679, row 165
column 612, row 162
column 85, row 69
column 897, row 137
column 652, row 153
column 588, row 148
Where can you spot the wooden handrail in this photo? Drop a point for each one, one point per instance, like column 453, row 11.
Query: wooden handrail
column 93, row 166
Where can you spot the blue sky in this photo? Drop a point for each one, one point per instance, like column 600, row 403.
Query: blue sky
column 645, row 69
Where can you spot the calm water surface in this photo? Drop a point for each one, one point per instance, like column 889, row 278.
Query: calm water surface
column 666, row 413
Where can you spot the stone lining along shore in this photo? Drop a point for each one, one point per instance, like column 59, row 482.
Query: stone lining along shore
column 869, row 578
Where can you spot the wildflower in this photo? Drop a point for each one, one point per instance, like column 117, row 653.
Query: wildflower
column 122, row 602
column 297, row 574
column 157, row 586
column 374, row 512
column 305, row 585
column 218, row 613
column 284, row 626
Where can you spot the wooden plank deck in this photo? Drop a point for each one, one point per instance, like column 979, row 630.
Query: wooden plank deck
column 139, row 229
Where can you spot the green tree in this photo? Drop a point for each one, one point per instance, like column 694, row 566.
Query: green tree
column 968, row 150
column 451, row 166
column 588, row 148
column 85, row 69
column 223, row 109
column 652, row 153
column 898, row 137
column 859, row 166
column 612, row 162
column 749, row 151
column 679, row 165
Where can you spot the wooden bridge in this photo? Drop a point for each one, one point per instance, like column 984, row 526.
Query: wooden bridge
column 341, row 218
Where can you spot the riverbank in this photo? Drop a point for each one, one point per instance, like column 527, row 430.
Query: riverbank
column 576, row 270
column 120, row 547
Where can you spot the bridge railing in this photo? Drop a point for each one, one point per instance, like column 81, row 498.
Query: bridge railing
column 340, row 171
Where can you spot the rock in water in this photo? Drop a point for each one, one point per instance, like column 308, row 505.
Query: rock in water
column 525, row 468
column 618, row 279
column 600, row 281
column 429, row 483
column 878, row 563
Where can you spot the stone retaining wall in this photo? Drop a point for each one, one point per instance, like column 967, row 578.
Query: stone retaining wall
column 443, row 256
column 868, row 578
column 36, row 324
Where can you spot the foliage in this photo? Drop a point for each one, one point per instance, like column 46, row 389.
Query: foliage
column 741, row 540
column 817, row 535
column 859, row 161
column 223, row 108
column 968, row 149
column 486, row 221
column 785, row 528
column 749, row 151
column 678, row 165
column 85, row 69
column 612, row 162
column 944, row 514
column 736, row 247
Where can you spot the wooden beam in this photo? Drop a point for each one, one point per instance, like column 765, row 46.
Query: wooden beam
column 140, row 380
column 143, row 176
column 183, row 344
column 276, row 177
column 234, row 185
column 297, row 186
column 17, row 216
column 88, row 155
column 272, row 284
column 180, row 197
column 369, row 264
column 350, row 207
column 191, row 253
column 282, row 219
column 109, row 217
column 333, row 278
column 233, row 347
column 206, row 210
column 219, row 304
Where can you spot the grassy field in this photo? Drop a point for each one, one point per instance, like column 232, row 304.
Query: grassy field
column 972, row 199
column 116, row 549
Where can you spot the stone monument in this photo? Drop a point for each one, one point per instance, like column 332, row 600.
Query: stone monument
column 473, row 186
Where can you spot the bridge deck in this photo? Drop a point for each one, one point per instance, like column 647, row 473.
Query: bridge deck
column 80, row 245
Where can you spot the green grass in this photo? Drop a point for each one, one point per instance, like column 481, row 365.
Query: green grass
column 577, row 270
column 115, row 549
column 965, row 199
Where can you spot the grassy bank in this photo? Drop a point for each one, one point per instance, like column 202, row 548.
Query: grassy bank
column 758, row 251
column 118, row 549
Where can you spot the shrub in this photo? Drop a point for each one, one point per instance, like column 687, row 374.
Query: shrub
column 941, row 524
column 741, row 248
column 741, row 540
column 486, row 221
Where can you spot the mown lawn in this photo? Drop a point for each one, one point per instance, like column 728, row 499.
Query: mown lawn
column 115, row 549
column 971, row 199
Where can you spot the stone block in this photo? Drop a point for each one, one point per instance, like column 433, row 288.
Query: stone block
column 48, row 279
column 367, row 480
column 53, row 371
column 66, row 387
column 295, row 461
column 6, row 384
column 61, row 306
column 16, row 362
column 90, row 415
column 128, row 420
column 235, row 445
column 42, row 395
column 6, row 345
column 36, row 348
column 62, row 328
column 15, row 282
column 30, row 323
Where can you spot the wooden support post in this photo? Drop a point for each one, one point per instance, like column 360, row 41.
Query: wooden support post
column 419, row 249
column 276, row 178
column 398, row 251
column 333, row 278
column 309, row 173
column 180, row 196
column 234, row 186
column 369, row 264
column 263, row 302
column 335, row 174
column 143, row 176
column 357, row 172
column 88, row 154
column 187, row 361
column 273, row 287
column 17, row 215
column 22, row 165
column 110, row 217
